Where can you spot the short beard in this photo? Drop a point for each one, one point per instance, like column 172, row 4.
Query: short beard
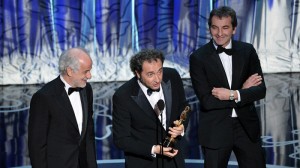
column 141, row 80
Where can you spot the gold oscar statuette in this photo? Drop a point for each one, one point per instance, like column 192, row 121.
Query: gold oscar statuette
column 169, row 140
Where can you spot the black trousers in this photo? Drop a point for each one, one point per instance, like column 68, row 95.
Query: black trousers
column 248, row 154
column 165, row 162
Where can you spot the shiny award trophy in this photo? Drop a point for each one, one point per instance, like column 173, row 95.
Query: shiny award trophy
column 169, row 140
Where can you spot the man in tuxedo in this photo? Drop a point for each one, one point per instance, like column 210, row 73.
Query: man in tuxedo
column 61, row 129
column 137, row 129
column 228, row 79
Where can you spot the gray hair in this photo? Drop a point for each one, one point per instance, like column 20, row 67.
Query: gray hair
column 69, row 59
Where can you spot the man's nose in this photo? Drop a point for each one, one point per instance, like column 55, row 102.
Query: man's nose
column 220, row 32
column 89, row 75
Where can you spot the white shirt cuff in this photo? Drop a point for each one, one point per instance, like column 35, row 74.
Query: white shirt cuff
column 239, row 96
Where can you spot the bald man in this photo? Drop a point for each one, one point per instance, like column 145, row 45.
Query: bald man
column 61, row 129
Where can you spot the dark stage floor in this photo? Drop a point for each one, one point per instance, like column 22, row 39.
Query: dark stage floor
column 279, row 112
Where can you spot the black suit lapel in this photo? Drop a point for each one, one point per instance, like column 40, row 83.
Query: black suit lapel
column 62, row 100
column 167, row 89
column 219, row 69
column 84, row 103
column 141, row 100
column 237, row 65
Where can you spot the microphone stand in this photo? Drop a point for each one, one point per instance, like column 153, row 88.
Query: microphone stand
column 161, row 105
column 157, row 140
column 162, row 139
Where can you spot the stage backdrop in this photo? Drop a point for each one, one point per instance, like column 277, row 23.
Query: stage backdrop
column 33, row 33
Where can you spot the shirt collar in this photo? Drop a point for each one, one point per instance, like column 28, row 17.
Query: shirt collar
column 67, row 86
column 144, row 88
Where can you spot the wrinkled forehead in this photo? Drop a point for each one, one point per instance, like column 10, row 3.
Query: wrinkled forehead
column 152, row 65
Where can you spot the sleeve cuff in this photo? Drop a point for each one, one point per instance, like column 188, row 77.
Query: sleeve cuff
column 152, row 152
column 239, row 96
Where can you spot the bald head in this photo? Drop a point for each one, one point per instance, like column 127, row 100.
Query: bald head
column 75, row 66
column 71, row 58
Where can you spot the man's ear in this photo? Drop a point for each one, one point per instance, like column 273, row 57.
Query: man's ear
column 69, row 71
column 234, row 29
column 137, row 74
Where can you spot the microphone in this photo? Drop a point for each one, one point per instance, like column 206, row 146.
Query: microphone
column 161, row 105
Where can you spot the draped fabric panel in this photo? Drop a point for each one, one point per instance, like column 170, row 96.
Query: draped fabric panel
column 35, row 32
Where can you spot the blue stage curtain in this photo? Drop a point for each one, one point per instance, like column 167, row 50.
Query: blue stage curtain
column 35, row 32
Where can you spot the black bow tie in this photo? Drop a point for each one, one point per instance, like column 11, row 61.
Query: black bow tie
column 221, row 49
column 149, row 91
column 71, row 90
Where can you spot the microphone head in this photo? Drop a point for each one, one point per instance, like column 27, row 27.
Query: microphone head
column 160, row 104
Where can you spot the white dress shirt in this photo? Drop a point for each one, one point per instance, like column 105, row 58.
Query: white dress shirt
column 153, row 99
column 76, row 104
column 227, row 65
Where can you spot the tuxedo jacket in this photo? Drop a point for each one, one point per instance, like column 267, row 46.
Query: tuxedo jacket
column 53, row 135
column 207, row 72
column 136, row 127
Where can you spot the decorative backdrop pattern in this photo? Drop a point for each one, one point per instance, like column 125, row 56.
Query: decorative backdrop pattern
column 33, row 33
column 279, row 112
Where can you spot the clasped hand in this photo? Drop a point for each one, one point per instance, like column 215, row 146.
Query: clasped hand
column 253, row 80
column 167, row 151
column 174, row 132
column 223, row 93
column 177, row 130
